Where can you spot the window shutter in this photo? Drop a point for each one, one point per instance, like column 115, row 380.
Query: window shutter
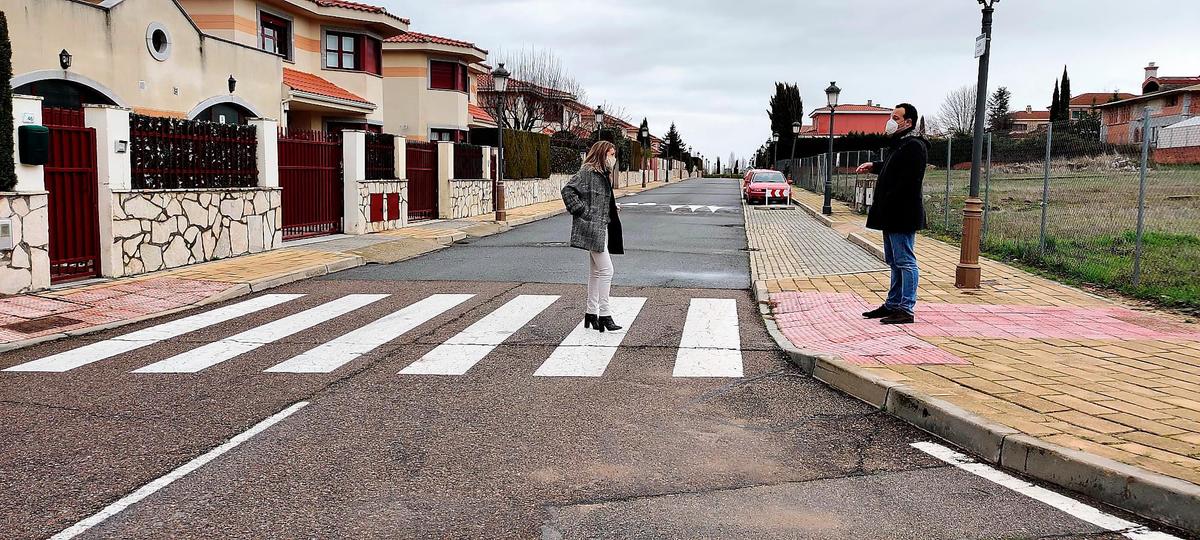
column 441, row 75
column 371, row 58
column 464, row 79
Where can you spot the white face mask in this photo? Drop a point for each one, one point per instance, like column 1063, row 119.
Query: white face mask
column 610, row 162
column 892, row 127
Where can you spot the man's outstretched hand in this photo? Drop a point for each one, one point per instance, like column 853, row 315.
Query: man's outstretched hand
column 865, row 168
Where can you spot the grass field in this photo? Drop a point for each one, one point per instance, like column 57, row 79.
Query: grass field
column 1091, row 225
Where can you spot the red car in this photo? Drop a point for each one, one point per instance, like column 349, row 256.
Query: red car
column 760, row 184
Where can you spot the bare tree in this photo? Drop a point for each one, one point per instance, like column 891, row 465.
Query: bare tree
column 956, row 116
column 539, row 87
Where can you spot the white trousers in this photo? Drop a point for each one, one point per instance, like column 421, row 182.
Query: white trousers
column 599, row 283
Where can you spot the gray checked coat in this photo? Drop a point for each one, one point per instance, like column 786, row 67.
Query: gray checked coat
column 589, row 199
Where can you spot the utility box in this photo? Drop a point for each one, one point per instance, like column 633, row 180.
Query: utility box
column 6, row 237
column 864, row 193
column 33, row 144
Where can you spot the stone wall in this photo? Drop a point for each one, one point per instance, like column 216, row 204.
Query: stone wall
column 388, row 190
column 26, row 267
column 470, row 198
column 518, row 193
column 161, row 229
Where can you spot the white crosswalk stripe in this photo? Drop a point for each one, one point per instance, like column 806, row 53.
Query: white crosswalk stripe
column 95, row 352
column 337, row 353
column 220, row 351
column 586, row 352
column 709, row 346
column 458, row 354
column 711, row 341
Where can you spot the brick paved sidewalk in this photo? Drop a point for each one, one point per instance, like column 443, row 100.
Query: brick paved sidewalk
column 1074, row 369
column 46, row 315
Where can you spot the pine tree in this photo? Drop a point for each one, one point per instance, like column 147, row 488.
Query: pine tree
column 786, row 108
column 673, row 145
column 999, row 119
column 1055, row 103
column 1064, row 107
column 8, row 170
column 719, row 170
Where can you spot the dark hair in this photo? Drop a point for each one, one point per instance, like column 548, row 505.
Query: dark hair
column 910, row 112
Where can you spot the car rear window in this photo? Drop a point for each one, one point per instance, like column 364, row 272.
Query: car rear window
column 773, row 176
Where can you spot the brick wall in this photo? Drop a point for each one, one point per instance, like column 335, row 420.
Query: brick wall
column 1187, row 155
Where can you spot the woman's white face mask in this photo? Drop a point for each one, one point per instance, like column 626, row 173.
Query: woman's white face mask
column 610, row 162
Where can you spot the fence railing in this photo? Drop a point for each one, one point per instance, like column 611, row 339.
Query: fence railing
column 1119, row 216
column 468, row 161
column 381, row 156
column 170, row 153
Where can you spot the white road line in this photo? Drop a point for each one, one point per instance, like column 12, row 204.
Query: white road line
column 336, row 353
column 230, row 347
column 586, row 352
column 1061, row 502
column 166, row 480
column 711, row 344
column 458, row 354
column 95, row 352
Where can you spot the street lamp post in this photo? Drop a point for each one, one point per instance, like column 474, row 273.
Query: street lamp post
column 831, row 95
column 645, row 152
column 967, row 274
column 775, row 149
column 599, row 121
column 500, row 79
column 796, row 126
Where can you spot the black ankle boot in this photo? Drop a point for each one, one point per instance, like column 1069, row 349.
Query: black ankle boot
column 607, row 323
column 589, row 321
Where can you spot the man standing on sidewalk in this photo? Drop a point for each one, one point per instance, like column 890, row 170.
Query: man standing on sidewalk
column 899, row 212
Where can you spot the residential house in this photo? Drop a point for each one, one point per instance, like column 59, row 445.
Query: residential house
column 1029, row 121
column 1172, row 103
column 1085, row 104
column 331, row 50
column 540, row 109
column 850, row 118
column 429, row 87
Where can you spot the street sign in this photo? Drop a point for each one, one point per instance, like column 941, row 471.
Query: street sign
column 980, row 45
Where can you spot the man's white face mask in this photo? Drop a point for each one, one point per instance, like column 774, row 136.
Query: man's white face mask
column 892, row 126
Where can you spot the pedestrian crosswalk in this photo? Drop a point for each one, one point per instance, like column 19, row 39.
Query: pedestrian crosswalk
column 709, row 345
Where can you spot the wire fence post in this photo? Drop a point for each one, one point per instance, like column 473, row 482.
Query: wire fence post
column 949, row 171
column 1045, row 189
column 1141, row 218
column 987, row 188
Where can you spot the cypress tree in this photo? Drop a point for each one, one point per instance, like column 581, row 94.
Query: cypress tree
column 1055, row 103
column 8, row 172
column 1064, row 108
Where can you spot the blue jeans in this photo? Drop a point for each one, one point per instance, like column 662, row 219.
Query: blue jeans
column 898, row 254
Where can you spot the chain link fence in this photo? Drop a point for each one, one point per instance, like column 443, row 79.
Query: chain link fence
column 1118, row 216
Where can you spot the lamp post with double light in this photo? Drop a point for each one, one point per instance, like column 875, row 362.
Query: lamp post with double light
column 831, row 96
column 968, row 273
column 500, row 79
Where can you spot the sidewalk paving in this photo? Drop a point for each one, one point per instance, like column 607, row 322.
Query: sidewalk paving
column 1020, row 363
column 89, row 307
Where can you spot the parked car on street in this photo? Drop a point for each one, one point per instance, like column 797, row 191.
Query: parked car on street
column 759, row 185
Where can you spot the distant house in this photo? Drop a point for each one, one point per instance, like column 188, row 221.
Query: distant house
column 429, row 83
column 1029, row 121
column 1171, row 100
column 850, row 118
column 1083, row 104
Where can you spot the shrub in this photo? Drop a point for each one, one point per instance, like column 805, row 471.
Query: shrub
column 8, row 172
column 564, row 160
column 526, row 154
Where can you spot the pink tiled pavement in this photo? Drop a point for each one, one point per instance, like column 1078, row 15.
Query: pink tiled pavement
column 833, row 323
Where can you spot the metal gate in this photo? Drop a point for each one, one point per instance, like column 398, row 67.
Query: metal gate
column 72, row 206
column 422, row 180
column 310, row 174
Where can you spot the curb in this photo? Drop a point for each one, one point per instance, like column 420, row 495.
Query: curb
column 1151, row 495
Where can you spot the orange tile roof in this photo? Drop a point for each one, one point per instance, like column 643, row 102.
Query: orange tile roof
column 855, row 108
column 1028, row 115
column 417, row 37
column 1098, row 98
column 478, row 113
column 357, row 7
column 312, row 84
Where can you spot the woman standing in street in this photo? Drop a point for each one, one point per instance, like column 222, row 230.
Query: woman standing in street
column 596, row 228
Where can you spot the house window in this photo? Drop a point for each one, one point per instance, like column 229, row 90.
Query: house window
column 341, row 51
column 275, row 35
column 552, row 112
column 448, row 76
column 1172, row 101
column 449, row 135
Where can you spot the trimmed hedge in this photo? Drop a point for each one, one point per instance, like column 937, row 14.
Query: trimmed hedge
column 526, row 154
column 565, row 160
column 8, row 167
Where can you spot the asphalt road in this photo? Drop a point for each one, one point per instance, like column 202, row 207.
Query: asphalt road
column 496, row 451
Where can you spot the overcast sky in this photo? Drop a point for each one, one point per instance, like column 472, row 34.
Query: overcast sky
column 710, row 65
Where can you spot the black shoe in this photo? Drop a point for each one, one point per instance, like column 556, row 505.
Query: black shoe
column 900, row 317
column 879, row 312
column 607, row 323
column 589, row 321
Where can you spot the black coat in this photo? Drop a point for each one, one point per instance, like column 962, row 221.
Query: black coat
column 899, row 202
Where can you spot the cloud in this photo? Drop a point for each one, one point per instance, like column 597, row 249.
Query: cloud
column 710, row 65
